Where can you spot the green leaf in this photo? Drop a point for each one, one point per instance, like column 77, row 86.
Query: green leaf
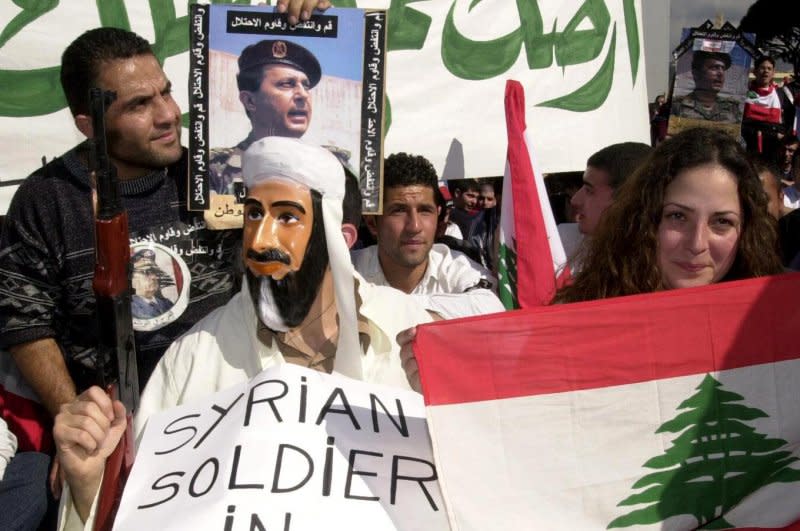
column 648, row 515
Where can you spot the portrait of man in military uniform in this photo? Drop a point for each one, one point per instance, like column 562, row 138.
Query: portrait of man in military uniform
column 148, row 280
column 709, row 85
column 705, row 102
column 261, row 77
column 275, row 82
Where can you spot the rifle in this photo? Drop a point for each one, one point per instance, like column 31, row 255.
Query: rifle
column 116, row 351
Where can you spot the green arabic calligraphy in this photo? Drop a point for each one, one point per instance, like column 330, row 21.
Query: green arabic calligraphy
column 475, row 60
column 38, row 91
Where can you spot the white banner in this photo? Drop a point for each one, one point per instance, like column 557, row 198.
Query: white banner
column 293, row 449
column 581, row 63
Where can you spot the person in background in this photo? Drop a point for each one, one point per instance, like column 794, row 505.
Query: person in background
column 693, row 214
column 762, row 124
column 445, row 282
column 605, row 172
column 488, row 196
column 791, row 193
column 465, row 203
column 659, row 120
column 769, row 175
column 787, row 152
column 446, row 227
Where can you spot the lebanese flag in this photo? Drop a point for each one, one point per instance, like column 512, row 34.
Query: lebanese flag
column 26, row 417
column 532, row 262
column 676, row 410
column 763, row 104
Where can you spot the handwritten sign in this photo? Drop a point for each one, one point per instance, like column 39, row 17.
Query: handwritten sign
column 293, row 449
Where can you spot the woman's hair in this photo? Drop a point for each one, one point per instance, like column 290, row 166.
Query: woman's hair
column 621, row 257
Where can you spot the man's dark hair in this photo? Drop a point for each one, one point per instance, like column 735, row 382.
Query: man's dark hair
column 403, row 169
column 762, row 59
column 351, row 204
column 699, row 58
column 464, row 185
column 762, row 164
column 788, row 140
column 83, row 58
column 619, row 161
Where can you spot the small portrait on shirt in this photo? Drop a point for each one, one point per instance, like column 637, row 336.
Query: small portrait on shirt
column 159, row 286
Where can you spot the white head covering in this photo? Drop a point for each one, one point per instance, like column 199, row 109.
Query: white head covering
column 317, row 169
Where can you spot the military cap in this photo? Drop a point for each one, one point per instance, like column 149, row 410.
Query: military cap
column 280, row 52
column 700, row 56
column 144, row 261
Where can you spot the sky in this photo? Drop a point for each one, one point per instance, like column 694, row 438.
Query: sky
column 689, row 13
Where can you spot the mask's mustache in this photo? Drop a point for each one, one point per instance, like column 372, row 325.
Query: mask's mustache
column 270, row 255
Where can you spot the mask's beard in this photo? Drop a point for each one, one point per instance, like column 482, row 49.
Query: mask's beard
column 283, row 304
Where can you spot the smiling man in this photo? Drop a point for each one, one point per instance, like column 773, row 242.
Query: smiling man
column 275, row 80
column 47, row 312
column 446, row 282
column 48, row 315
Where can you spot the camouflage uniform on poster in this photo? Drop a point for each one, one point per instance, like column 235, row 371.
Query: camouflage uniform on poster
column 723, row 109
column 225, row 166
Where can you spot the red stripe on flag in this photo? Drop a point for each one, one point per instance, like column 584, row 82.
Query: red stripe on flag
column 610, row 342
column 29, row 421
column 535, row 276
column 791, row 527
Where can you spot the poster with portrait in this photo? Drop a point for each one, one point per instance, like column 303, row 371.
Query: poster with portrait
column 253, row 75
column 710, row 82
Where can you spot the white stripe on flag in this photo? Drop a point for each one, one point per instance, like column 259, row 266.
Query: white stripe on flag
column 567, row 460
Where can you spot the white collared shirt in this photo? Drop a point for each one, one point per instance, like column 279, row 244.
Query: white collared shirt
column 453, row 285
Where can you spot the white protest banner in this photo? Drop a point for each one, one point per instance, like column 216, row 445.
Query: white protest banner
column 580, row 61
column 293, row 449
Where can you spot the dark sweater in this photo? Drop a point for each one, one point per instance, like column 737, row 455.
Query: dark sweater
column 47, row 262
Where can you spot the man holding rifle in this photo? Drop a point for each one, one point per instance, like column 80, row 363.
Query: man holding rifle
column 48, row 317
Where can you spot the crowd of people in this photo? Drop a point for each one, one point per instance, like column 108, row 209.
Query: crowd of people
column 308, row 280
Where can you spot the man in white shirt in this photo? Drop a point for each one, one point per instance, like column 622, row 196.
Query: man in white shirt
column 297, row 305
column 405, row 257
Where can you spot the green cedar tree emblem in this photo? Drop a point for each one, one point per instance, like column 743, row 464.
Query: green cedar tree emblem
column 507, row 277
column 715, row 462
